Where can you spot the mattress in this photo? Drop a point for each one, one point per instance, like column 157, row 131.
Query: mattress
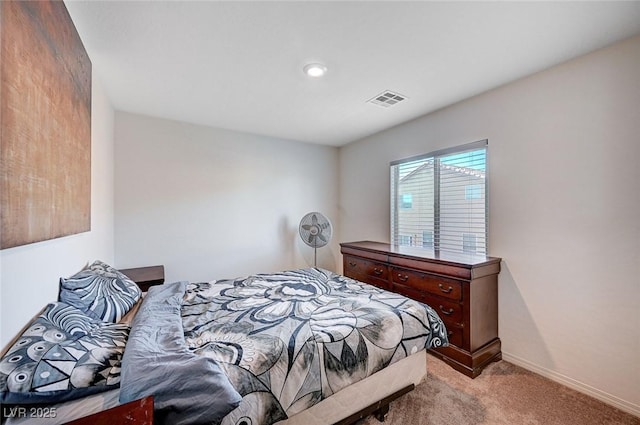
column 344, row 403
column 303, row 346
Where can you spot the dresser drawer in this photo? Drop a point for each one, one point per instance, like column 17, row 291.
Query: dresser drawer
column 436, row 285
column 454, row 334
column 450, row 312
column 452, row 321
column 380, row 283
column 361, row 266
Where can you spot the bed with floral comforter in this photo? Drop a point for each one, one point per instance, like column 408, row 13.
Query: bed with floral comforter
column 284, row 342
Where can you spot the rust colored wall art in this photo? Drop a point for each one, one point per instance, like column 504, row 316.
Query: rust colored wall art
column 45, row 119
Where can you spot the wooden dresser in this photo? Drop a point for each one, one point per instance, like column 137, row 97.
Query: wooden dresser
column 463, row 289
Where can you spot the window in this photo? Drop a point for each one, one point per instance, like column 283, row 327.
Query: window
column 473, row 191
column 406, row 201
column 447, row 204
column 469, row 243
column 427, row 239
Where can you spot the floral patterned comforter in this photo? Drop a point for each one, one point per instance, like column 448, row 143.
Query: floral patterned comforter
column 288, row 340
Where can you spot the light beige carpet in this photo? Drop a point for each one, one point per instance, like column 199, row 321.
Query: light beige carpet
column 504, row 394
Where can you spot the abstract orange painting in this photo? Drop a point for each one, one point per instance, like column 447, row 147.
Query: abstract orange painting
column 45, row 121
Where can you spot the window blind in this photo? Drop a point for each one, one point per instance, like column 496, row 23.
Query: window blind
column 439, row 200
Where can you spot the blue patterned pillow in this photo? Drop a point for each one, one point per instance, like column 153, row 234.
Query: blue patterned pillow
column 62, row 355
column 101, row 291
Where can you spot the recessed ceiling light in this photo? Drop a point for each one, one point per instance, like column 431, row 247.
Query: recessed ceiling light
column 315, row 70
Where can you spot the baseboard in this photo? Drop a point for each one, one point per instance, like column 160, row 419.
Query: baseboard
column 612, row 400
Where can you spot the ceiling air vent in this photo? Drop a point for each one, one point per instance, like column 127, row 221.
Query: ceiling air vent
column 387, row 98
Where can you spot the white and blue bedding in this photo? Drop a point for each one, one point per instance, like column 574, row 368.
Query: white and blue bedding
column 62, row 355
column 255, row 350
column 73, row 348
column 268, row 346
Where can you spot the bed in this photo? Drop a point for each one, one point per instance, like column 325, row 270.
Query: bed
column 302, row 346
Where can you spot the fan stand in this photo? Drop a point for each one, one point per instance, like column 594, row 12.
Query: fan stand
column 314, row 231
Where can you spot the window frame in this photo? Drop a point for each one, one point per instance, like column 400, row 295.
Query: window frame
column 436, row 156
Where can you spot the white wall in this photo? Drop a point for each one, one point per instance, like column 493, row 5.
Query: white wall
column 564, row 212
column 210, row 203
column 29, row 274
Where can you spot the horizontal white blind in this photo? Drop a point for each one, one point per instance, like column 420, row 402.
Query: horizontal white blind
column 438, row 201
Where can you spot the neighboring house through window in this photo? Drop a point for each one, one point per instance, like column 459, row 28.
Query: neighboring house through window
column 438, row 200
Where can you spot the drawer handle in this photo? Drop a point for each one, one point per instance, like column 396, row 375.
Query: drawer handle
column 449, row 334
column 352, row 264
column 445, row 291
column 403, row 278
column 377, row 271
column 447, row 312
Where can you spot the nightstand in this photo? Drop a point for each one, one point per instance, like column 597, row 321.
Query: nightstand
column 145, row 277
column 138, row 412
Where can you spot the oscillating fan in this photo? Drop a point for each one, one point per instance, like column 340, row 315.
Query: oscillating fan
column 315, row 231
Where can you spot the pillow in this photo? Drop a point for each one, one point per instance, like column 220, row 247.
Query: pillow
column 62, row 355
column 101, row 291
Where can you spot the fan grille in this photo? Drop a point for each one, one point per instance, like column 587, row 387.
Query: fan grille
column 315, row 230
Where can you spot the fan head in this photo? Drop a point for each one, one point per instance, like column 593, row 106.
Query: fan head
column 315, row 229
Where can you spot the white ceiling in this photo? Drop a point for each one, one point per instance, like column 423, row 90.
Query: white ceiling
column 238, row 65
